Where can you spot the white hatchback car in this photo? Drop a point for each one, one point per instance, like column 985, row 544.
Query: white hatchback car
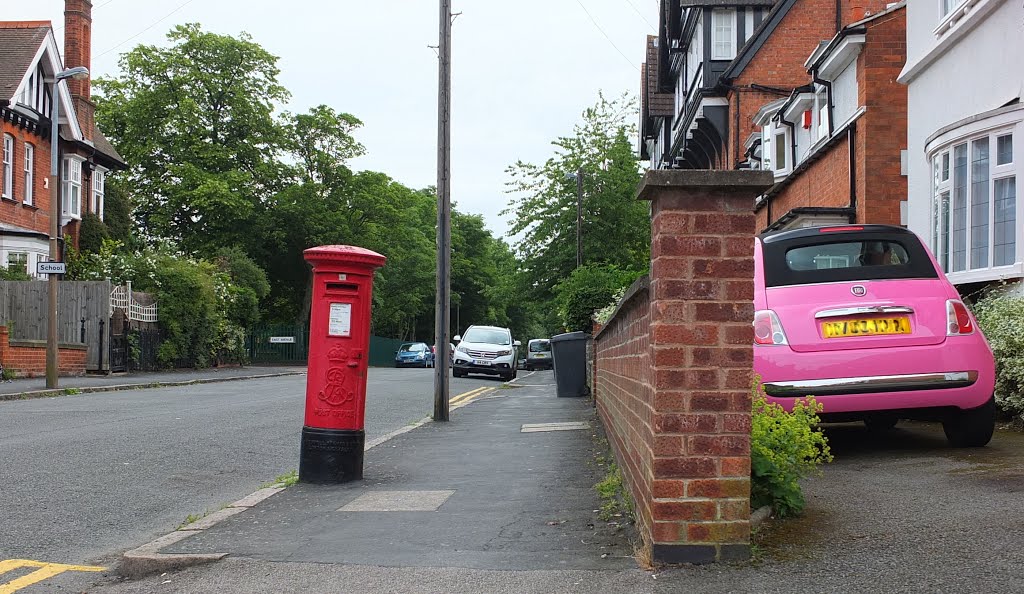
column 488, row 350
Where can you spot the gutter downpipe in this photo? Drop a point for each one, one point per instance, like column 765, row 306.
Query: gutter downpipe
column 828, row 102
column 792, row 139
column 850, row 138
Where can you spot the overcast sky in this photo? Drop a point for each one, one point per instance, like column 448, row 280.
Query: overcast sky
column 522, row 70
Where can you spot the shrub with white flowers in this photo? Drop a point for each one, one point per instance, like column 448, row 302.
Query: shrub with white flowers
column 1001, row 317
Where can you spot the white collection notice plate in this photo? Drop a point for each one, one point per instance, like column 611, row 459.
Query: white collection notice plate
column 340, row 321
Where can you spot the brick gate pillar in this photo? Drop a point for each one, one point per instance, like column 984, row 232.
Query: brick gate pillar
column 701, row 310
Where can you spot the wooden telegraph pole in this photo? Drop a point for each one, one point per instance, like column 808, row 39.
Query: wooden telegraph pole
column 442, row 312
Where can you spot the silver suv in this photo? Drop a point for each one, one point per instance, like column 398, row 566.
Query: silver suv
column 488, row 350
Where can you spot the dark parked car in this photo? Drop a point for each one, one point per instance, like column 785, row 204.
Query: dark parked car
column 414, row 354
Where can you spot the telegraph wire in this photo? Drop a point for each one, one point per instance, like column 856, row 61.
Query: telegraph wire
column 155, row 23
column 635, row 9
column 591, row 17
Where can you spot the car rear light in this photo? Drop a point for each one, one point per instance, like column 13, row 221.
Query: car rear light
column 958, row 319
column 768, row 329
column 840, row 229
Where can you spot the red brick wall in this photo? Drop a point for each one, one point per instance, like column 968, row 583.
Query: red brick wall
column 879, row 136
column 28, row 358
column 674, row 368
column 780, row 61
column 14, row 212
column 780, row 64
column 883, row 129
column 825, row 183
column 622, row 380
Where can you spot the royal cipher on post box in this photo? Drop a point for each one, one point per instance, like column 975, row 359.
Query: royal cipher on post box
column 339, row 341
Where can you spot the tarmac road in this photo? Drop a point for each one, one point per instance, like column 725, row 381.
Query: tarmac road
column 85, row 477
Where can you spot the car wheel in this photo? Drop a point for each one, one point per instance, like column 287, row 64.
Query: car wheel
column 880, row 424
column 457, row 373
column 971, row 428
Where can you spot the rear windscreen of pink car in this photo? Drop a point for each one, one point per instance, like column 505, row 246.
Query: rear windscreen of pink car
column 838, row 257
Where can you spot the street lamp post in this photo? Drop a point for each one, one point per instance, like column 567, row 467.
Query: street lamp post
column 52, row 357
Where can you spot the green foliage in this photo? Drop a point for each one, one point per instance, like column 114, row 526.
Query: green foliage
column 195, row 119
column 216, row 163
column 14, row 274
column 1001, row 318
column 615, row 227
column 248, row 285
column 204, row 305
column 604, row 314
column 117, row 212
column 8, row 373
column 785, row 447
column 613, row 494
column 93, row 233
column 588, row 289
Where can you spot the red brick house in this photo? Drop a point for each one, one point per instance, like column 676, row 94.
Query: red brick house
column 29, row 58
column 811, row 95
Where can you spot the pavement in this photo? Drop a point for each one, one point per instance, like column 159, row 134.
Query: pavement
column 25, row 387
column 85, row 477
column 490, row 508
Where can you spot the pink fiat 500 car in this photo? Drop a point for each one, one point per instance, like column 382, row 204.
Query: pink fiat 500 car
column 863, row 319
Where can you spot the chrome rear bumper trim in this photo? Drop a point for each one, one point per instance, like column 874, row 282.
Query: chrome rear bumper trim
column 871, row 384
column 856, row 311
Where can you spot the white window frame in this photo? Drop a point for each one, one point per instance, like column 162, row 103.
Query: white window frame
column 821, row 114
column 723, row 49
column 7, row 190
column 71, row 186
column 99, row 186
column 29, row 177
column 947, row 7
column 944, row 180
column 19, row 256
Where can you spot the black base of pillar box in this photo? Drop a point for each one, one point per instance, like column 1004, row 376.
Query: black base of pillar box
column 331, row 456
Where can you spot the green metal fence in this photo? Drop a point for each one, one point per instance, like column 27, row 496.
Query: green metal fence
column 289, row 345
column 382, row 351
column 279, row 345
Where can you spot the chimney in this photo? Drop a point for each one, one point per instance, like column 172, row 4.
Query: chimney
column 78, row 52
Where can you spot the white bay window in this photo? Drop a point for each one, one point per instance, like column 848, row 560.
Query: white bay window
column 974, row 208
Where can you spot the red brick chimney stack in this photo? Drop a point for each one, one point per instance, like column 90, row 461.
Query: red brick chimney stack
column 78, row 52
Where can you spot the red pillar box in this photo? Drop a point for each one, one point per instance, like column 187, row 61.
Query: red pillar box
column 339, row 340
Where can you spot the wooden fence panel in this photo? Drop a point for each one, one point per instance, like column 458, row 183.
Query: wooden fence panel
column 23, row 304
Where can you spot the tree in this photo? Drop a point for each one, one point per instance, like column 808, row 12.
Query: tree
column 92, row 234
column 196, row 121
column 323, row 143
column 588, row 288
column 117, row 212
column 615, row 226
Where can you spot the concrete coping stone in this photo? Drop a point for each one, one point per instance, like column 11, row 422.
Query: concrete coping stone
column 703, row 179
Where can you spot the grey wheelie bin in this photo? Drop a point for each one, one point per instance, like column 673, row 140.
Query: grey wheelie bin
column 569, row 352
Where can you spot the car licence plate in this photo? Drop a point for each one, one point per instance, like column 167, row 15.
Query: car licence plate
column 540, row 355
column 481, row 362
column 866, row 327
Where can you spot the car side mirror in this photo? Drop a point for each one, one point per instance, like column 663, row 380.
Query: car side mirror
column 456, row 338
column 517, row 343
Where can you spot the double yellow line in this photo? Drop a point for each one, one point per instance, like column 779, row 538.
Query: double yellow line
column 466, row 397
column 42, row 571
